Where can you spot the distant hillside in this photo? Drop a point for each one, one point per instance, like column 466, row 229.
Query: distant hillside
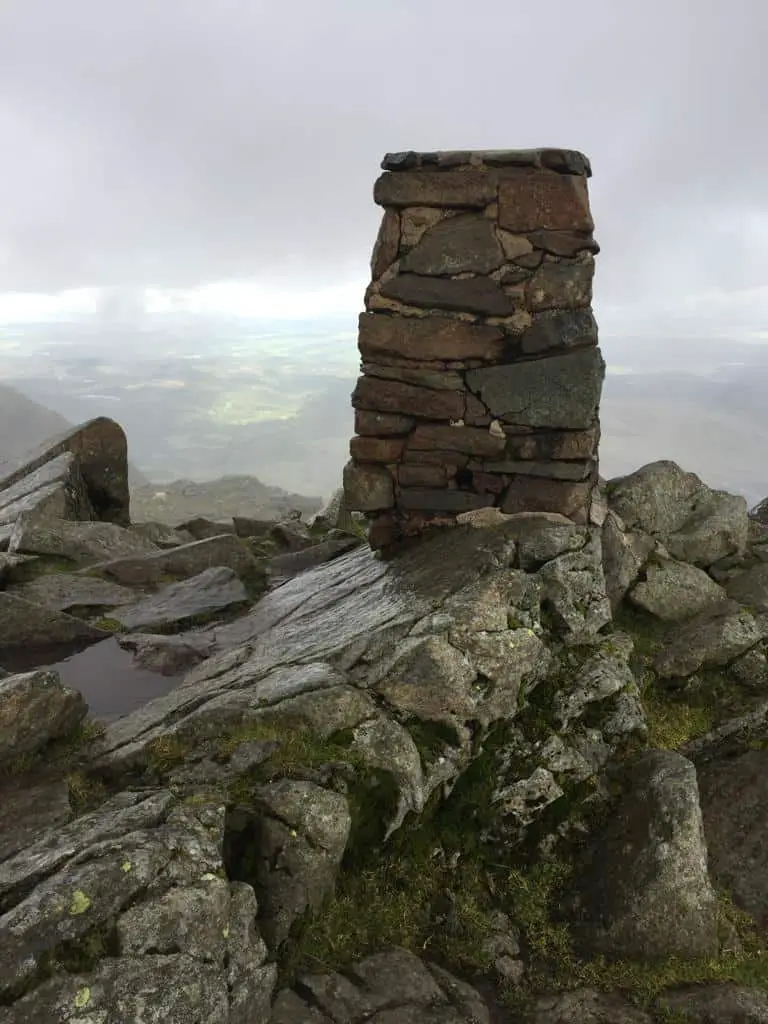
column 25, row 424
column 175, row 502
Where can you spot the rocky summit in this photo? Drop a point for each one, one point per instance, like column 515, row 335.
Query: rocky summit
column 514, row 770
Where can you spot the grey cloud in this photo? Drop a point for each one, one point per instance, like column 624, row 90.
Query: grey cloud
column 172, row 142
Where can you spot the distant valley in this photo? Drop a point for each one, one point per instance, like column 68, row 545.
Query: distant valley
column 203, row 399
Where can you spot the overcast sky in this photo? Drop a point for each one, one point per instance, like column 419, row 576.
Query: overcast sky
column 173, row 143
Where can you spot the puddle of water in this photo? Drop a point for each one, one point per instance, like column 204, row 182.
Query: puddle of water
column 106, row 675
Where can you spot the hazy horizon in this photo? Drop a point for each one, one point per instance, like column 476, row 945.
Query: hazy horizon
column 223, row 156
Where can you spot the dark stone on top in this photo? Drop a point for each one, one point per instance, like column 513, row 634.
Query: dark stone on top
column 566, row 161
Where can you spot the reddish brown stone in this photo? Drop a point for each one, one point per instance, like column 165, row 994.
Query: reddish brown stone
column 448, row 189
column 475, row 413
column 531, row 200
column 383, row 530
column 425, row 499
column 554, row 444
column 533, row 494
column 387, row 244
column 564, row 243
column 469, row 440
column 452, row 461
column 425, row 338
column 471, row 294
column 422, row 476
column 376, row 449
column 392, row 396
column 493, row 483
column 421, row 376
column 367, row 488
column 381, row 424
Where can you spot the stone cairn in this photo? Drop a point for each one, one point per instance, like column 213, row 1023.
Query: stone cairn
column 481, row 374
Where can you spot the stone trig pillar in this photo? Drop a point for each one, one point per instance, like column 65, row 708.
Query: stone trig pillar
column 481, row 375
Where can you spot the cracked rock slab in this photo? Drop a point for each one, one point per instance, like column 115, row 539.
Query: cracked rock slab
column 214, row 590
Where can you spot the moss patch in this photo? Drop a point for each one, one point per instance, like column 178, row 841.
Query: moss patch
column 677, row 715
column 85, row 792
column 41, row 565
column 111, row 625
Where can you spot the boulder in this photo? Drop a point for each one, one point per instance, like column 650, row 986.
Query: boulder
column 585, row 1006
column 658, row 498
column 29, row 624
column 713, row 638
column 334, row 515
column 716, row 528
column 734, row 791
column 82, row 543
column 149, row 869
column 624, row 555
column 673, row 591
column 715, row 1004
column 178, row 605
column 573, row 591
column 28, row 810
column 285, row 567
column 644, row 893
column 695, row 523
column 760, row 511
column 99, row 448
column 301, row 833
column 161, row 535
column 181, row 562
column 201, row 528
column 543, row 536
column 65, row 591
column 168, row 655
column 55, row 489
column 751, row 588
column 34, row 710
column 392, row 986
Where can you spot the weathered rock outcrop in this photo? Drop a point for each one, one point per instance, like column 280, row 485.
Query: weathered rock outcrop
column 83, row 473
column 474, row 683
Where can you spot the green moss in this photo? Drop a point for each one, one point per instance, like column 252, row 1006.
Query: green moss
column 42, row 565
column 165, row 753
column 111, row 625
column 673, row 720
column 298, row 751
column 85, row 792
column 647, row 632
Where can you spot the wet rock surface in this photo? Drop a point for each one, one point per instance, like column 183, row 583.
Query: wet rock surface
column 521, row 748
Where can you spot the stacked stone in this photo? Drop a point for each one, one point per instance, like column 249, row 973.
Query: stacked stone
column 481, row 373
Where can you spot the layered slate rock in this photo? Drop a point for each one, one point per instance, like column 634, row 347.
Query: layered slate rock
column 145, row 873
column 481, row 376
column 92, row 459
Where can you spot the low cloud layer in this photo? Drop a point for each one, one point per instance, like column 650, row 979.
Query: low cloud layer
column 169, row 143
